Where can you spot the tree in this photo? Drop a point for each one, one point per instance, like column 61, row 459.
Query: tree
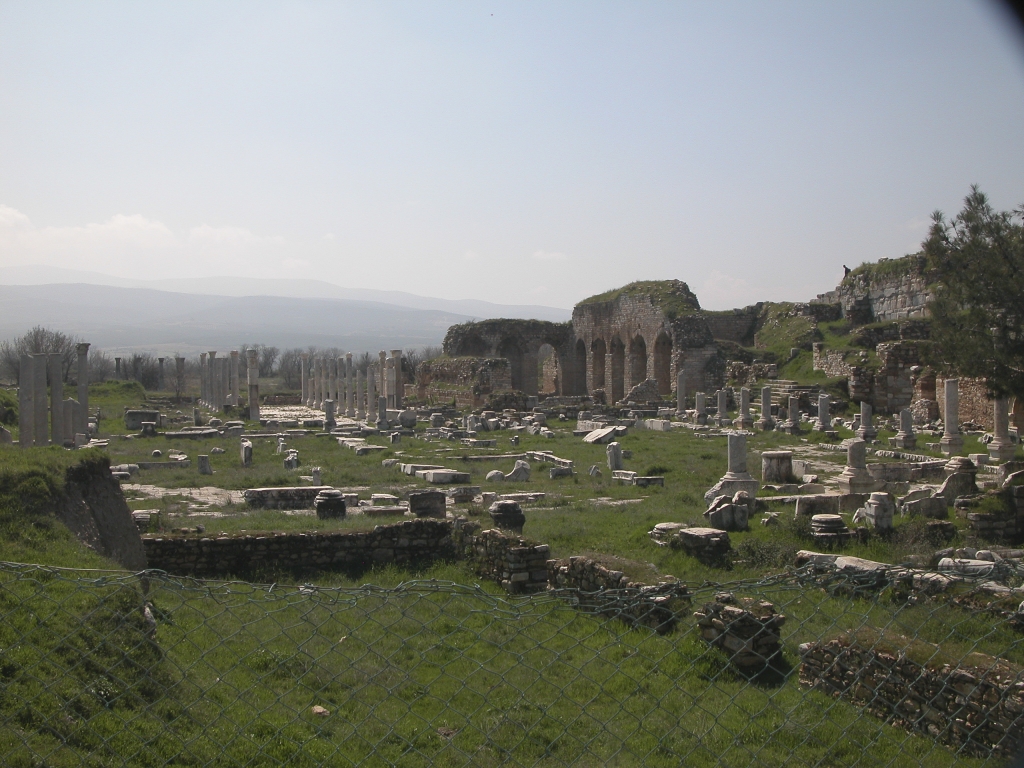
column 267, row 358
column 976, row 267
column 36, row 341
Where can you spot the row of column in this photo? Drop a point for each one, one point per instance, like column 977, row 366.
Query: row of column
column 46, row 417
column 355, row 392
column 218, row 377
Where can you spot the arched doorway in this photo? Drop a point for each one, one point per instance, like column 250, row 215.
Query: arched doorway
column 663, row 363
column 618, row 371
column 598, row 354
column 473, row 346
column 580, row 364
column 549, row 377
column 637, row 360
column 510, row 350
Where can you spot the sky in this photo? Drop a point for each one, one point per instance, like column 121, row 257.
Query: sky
column 516, row 152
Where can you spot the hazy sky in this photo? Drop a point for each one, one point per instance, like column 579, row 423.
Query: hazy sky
column 522, row 152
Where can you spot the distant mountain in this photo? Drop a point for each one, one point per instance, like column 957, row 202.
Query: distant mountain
column 299, row 289
column 165, row 322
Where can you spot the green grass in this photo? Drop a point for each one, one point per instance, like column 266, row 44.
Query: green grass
column 234, row 670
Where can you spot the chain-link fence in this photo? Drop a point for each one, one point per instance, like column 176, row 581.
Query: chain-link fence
column 811, row 668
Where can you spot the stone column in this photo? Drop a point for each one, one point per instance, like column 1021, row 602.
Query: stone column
column 39, row 403
column 614, row 455
column 325, row 379
column 304, row 369
column 360, row 383
column 204, row 395
column 179, row 375
column 222, row 383
column 383, row 374
column 371, row 390
column 744, row 420
column 855, row 477
column 26, row 402
column 723, row 407
column 83, row 388
column 252, row 378
column 233, row 373
column 117, row 368
column 700, row 408
column 211, row 380
column 314, row 382
column 56, row 398
column 906, row 438
column 681, row 393
column 332, row 365
column 329, row 420
column 766, row 422
column 350, row 387
column 382, row 413
column 824, row 422
column 1001, row 449
column 952, row 442
column 792, row 425
column 396, row 354
column 68, row 420
column 737, row 478
column 160, row 384
column 866, row 431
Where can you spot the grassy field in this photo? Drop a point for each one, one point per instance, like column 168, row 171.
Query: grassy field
column 428, row 672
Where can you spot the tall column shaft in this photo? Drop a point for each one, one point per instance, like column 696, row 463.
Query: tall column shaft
column 26, row 403
column 400, row 382
column 235, row 399
column 350, row 387
column 56, row 398
column 39, row 403
column 83, row 388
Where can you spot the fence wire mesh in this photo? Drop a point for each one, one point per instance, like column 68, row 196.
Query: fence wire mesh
column 810, row 668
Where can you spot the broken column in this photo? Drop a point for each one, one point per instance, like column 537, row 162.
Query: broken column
column 866, row 431
column 952, row 442
column 329, row 421
column 117, row 368
column 204, row 396
column 743, row 419
column 906, row 438
column 246, row 453
column 736, row 478
column 877, row 512
column 700, row 408
column 235, row 400
column 723, row 408
column 332, row 366
column 824, row 422
column 396, row 355
column 855, row 477
column 766, row 422
column 56, row 365
column 82, row 426
column 39, row 403
column 360, row 383
column 253, row 383
column 382, row 413
column 681, row 393
column 305, row 398
column 160, row 384
column 26, row 403
column 792, row 423
column 211, row 380
column 1001, row 449
column 203, row 462
column 350, row 387
column 614, row 453
column 382, row 374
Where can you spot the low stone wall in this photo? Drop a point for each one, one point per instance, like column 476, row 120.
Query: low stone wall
column 408, row 542
column 657, row 607
column 1004, row 525
column 979, row 708
column 831, row 361
column 518, row 564
column 298, row 497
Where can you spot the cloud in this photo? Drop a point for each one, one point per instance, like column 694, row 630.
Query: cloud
column 549, row 256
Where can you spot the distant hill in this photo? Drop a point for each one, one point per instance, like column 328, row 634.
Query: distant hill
column 165, row 322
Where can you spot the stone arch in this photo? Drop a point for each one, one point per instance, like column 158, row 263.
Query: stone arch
column 637, row 360
column 473, row 346
column 616, row 390
column 663, row 363
column 509, row 349
column 598, row 355
column 580, row 352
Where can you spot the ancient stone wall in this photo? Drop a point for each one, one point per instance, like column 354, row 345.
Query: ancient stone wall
column 736, row 325
column 886, row 290
column 408, row 542
column 975, row 406
column 518, row 564
column 466, row 380
column 979, row 709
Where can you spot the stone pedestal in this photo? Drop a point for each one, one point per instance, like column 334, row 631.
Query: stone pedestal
column 952, row 442
column 855, row 477
column 866, row 430
column 777, row 467
column 330, row 504
column 737, row 478
column 766, row 422
column 743, row 419
column 905, row 438
column 1001, row 449
column 614, row 453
